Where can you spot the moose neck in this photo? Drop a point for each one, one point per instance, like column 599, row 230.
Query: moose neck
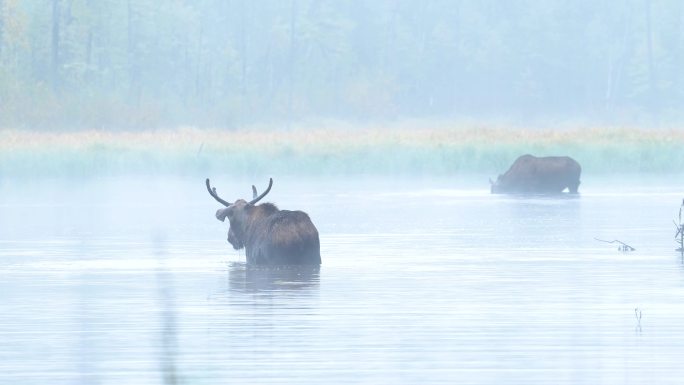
column 257, row 212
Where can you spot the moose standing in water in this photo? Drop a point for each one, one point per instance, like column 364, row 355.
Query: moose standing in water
column 269, row 236
column 545, row 175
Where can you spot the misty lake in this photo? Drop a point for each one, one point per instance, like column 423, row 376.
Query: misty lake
column 130, row 280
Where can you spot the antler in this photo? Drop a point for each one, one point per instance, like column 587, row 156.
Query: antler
column 263, row 194
column 212, row 192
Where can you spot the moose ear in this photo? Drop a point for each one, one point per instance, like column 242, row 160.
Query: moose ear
column 221, row 214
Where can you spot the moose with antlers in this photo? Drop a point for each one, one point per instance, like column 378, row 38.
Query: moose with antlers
column 270, row 236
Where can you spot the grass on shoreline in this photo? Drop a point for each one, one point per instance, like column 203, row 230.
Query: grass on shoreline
column 441, row 150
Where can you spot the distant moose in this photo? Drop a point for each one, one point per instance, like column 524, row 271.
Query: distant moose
column 544, row 175
column 269, row 236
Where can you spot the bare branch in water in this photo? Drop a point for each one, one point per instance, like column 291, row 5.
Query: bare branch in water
column 624, row 247
column 679, row 236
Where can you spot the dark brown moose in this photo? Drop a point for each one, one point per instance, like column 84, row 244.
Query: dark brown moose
column 544, row 175
column 269, row 236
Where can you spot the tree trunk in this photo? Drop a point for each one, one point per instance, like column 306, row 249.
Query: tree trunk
column 133, row 71
column 291, row 64
column 2, row 23
column 198, row 64
column 243, row 62
column 616, row 61
column 54, row 65
column 651, row 69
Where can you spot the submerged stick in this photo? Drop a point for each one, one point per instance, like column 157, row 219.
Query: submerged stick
column 624, row 247
column 679, row 235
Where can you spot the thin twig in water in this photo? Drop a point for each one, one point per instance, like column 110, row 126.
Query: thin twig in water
column 624, row 247
column 637, row 315
column 679, row 236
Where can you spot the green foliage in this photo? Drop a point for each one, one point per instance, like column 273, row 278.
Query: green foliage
column 218, row 63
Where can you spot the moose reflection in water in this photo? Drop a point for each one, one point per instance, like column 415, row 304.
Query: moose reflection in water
column 249, row 279
column 270, row 236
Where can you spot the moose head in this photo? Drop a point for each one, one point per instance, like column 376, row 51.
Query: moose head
column 241, row 213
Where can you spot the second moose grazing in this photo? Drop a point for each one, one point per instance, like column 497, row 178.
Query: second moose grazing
column 270, row 236
column 545, row 175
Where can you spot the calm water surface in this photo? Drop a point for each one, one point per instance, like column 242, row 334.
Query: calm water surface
column 131, row 281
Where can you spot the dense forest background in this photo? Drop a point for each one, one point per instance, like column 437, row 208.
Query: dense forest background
column 122, row 64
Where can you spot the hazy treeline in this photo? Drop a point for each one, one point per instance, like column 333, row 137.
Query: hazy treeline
column 226, row 63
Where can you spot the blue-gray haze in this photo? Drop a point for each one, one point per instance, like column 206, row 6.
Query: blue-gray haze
column 131, row 281
column 114, row 278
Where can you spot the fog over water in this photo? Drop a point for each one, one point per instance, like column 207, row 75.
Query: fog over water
column 131, row 280
column 381, row 119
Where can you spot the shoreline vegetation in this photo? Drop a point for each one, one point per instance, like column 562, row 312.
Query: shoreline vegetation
column 394, row 149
